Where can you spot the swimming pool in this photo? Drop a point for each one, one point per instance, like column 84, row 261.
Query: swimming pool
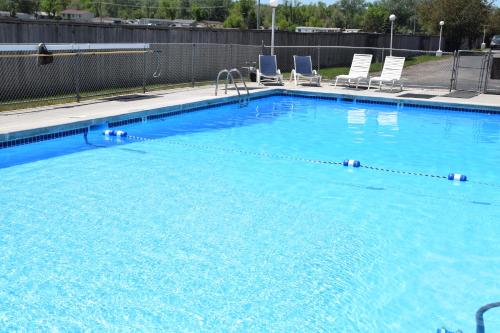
column 243, row 219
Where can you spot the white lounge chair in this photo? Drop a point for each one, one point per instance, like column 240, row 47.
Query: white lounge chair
column 391, row 73
column 268, row 70
column 360, row 68
column 303, row 70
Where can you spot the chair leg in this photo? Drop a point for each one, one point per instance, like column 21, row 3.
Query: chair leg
column 369, row 84
column 336, row 80
column 380, row 86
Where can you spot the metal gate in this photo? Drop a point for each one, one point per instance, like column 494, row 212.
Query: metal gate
column 476, row 71
column 492, row 76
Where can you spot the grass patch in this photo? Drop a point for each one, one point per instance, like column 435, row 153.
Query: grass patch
column 331, row 72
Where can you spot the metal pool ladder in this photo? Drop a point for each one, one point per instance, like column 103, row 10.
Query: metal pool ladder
column 243, row 100
column 480, row 313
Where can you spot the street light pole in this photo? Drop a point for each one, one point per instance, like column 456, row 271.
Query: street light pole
column 483, row 44
column 392, row 18
column 273, row 4
column 258, row 14
column 439, row 52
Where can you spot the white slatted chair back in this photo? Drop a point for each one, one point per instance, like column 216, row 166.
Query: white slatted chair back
column 360, row 65
column 393, row 68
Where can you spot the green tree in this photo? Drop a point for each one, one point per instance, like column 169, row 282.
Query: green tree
column 196, row 12
column 221, row 12
column 353, row 11
column 463, row 19
column 53, row 7
column 405, row 11
column 376, row 19
column 168, row 9
column 234, row 20
column 149, row 8
column 184, row 9
column 494, row 25
column 10, row 6
column 18, row 6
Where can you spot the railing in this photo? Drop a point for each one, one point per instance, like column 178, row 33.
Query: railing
column 479, row 316
column 471, row 72
column 229, row 75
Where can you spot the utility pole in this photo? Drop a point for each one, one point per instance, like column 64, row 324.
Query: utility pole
column 258, row 14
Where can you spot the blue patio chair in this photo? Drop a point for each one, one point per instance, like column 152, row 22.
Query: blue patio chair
column 268, row 70
column 303, row 70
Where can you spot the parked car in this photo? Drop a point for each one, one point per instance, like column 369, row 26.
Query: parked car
column 495, row 42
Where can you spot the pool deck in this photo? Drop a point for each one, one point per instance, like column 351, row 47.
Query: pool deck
column 26, row 123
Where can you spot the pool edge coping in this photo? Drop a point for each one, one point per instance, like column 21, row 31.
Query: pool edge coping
column 37, row 134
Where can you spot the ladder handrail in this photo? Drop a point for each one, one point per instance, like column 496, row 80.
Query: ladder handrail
column 217, row 81
column 229, row 75
column 237, row 71
column 479, row 315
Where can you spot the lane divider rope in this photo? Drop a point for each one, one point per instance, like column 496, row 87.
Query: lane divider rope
column 301, row 159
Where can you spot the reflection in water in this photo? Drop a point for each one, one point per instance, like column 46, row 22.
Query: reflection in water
column 388, row 119
column 356, row 116
column 489, row 132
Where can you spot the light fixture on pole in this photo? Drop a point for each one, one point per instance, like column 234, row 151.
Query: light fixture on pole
column 483, row 44
column 273, row 4
column 392, row 18
column 439, row 52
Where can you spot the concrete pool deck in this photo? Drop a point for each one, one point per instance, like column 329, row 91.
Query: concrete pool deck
column 23, row 123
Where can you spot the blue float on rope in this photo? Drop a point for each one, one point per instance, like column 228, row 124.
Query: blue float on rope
column 444, row 330
column 352, row 163
column 118, row 133
column 121, row 133
column 457, row 176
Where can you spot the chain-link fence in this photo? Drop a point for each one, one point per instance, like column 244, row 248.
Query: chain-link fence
column 492, row 77
column 31, row 79
column 422, row 68
column 70, row 75
column 476, row 72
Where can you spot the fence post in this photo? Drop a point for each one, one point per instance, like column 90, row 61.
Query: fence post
column 319, row 58
column 231, row 56
column 489, row 66
column 453, row 81
column 262, row 47
column 144, row 71
column 192, row 64
column 77, row 76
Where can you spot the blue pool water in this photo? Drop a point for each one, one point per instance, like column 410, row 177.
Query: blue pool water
column 223, row 221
